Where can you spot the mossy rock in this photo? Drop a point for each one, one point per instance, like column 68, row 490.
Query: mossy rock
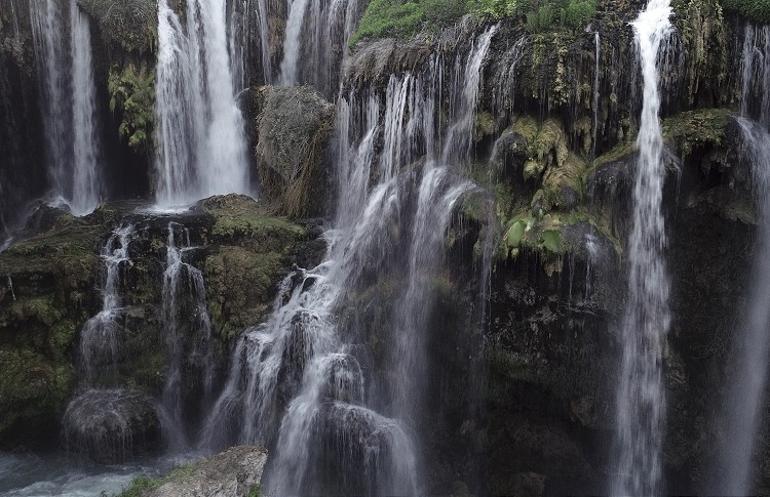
column 239, row 220
column 33, row 391
column 294, row 129
column 240, row 284
column 130, row 25
column 696, row 129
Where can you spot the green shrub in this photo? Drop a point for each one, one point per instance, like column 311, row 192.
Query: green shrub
column 755, row 10
column 132, row 97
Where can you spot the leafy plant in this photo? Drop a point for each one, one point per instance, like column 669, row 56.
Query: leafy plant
column 132, row 97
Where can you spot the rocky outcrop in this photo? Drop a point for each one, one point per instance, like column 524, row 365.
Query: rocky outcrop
column 236, row 472
column 293, row 130
column 51, row 281
column 111, row 426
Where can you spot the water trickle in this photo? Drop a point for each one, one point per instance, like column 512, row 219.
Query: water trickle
column 184, row 308
column 10, row 288
column 597, row 90
column 100, row 336
column 640, row 395
column 200, row 132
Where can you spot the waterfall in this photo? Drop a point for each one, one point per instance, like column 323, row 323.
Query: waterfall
column 640, row 394
column 68, row 103
column 597, row 90
column 318, row 33
column 744, row 405
column 249, row 29
column 458, row 141
column 755, row 68
column 86, row 189
column 292, row 42
column 48, row 29
column 100, row 336
column 182, row 283
column 302, row 369
column 200, row 136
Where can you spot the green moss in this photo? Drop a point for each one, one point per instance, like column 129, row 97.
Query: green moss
column 755, row 10
column 239, row 220
column 132, row 98
column 693, row 129
column 32, row 388
column 239, row 283
column 618, row 152
column 143, row 485
column 541, row 15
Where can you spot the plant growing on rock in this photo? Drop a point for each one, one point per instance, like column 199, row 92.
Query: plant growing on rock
column 132, row 97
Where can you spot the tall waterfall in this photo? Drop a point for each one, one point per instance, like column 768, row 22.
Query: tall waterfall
column 68, row 103
column 86, row 189
column 184, row 302
column 755, row 68
column 744, row 403
column 249, row 30
column 640, row 395
column 200, row 136
column 302, row 369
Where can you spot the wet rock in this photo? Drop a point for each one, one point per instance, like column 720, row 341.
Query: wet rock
column 111, row 426
column 236, row 472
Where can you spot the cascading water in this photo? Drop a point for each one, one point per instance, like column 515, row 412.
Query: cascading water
column 183, row 282
column 300, row 370
column 640, row 395
column 100, row 336
column 69, row 104
column 755, row 68
column 249, row 28
column 318, row 33
column 200, row 136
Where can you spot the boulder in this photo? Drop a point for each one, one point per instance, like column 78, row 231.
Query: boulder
column 236, row 472
column 111, row 426
column 293, row 129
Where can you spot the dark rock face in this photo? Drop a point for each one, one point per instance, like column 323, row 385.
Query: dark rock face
column 111, row 426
